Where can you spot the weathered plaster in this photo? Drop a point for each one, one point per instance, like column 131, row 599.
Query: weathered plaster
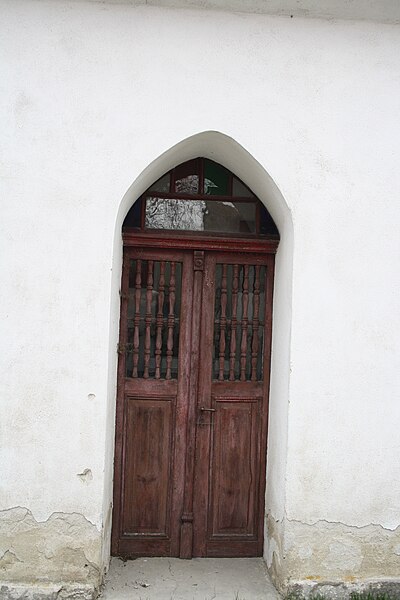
column 333, row 557
column 56, row 558
column 316, row 106
column 273, row 551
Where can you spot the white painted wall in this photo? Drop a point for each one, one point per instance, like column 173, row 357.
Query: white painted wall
column 94, row 93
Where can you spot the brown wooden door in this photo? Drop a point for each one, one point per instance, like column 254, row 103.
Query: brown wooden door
column 192, row 404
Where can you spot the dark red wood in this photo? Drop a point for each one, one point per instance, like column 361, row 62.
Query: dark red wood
column 244, row 323
column 234, row 321
column 119, row 417
column 146, row 502
column 148, row 319
column 190, row 452
column 256, row 323
column 201, row 196
column 138, row 292
column 150, row 431
column 222, row 324
column 234, row 476
column 231, row 441
column 161, row 289
column 186, row 548
column 171, row 320
column 188, row 240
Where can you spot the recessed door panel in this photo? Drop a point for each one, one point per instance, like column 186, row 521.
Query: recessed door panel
column 234, row 463
column 147, row 466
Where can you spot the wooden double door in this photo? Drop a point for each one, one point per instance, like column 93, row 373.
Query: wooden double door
column 192, row 405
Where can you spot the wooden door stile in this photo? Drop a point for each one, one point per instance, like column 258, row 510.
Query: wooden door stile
column 204, row 418
column 186, row 545
column 183, row 407
column 270, row 264
column 119, row 418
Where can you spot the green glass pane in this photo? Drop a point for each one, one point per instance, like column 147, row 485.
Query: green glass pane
column 216, row 179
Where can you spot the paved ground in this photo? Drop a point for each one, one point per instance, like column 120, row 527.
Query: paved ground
column 196, row 579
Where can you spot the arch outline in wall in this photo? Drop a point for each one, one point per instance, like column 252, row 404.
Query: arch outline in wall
column 226, row 151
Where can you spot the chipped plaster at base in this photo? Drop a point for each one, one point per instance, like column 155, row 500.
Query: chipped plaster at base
column 333, row 557
column 57, row 558
column 273, row 552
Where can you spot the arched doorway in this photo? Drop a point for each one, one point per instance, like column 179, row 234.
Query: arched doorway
column 193, row 375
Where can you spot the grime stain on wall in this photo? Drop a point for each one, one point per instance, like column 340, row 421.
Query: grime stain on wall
column 61, row 555
column 324, row 555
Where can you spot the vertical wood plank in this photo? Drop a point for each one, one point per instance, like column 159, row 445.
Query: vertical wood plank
column 171, row 319
column 245, row 306
column 159, row 322
column 183, row 538
column 186, row 541
column 119, row 420
column 148, row 317
column 269, row 287
column 256, row 323
column 136, row 319
column 235, row 290
column 202, row 437
column 222, row 323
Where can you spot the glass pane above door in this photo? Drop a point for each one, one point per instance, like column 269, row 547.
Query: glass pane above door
column 167, row 213
column 200, row 215
column 187, row 177
column 204, row 196
column 216, row 179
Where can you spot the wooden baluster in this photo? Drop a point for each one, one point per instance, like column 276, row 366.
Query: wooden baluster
column 160, row 312
column 256, row 323
column 171, row 320
column 149, row 297
column 222, row 324
column 232, row 355
column 136, row 319
column 245, row 323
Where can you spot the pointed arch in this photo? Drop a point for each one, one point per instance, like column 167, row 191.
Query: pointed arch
column 226, row 151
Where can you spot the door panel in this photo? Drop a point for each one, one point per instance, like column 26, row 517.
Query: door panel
column 192, row 405
column 153, row 378
column 234, row 468
column 147, row 465
column 232, row 405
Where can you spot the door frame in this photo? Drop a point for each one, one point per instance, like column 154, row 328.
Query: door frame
column 197, row 243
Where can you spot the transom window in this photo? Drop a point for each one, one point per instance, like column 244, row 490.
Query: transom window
column 201, row 195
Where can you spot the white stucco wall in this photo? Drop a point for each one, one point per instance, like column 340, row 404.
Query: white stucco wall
column 91, row 95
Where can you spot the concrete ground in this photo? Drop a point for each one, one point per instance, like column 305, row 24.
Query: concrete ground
column 196, row 579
